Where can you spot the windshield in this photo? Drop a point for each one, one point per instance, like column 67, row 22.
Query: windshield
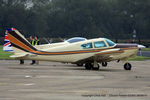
column 110, row 43
column 76, row 39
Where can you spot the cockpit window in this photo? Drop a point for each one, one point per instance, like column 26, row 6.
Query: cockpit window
column 110, row 43
column 76, row 39
column 99, row 44
column 87, row 46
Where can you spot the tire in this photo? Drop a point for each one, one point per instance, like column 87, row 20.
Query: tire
column 88, row 66
column 104, row 64
column 96, row 68
column 127, row 66
column 79, row 64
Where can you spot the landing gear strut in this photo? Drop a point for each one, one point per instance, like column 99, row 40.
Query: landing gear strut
column 95, row 66
column 127, row 66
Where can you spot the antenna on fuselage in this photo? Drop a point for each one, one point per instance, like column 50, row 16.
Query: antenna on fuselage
column 49, row 42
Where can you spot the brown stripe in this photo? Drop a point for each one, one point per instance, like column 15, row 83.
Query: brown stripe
column 14, row 34
column 19, row 43
column 70, row 52
column 16, row 46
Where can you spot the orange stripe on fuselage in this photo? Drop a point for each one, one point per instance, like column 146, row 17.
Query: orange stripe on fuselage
column 70, row 52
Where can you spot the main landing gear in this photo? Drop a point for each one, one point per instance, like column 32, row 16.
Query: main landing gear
column 93, row 66
column 88, row 66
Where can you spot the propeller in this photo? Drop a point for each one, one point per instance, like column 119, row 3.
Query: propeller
column 48, row 41
column 63, row 40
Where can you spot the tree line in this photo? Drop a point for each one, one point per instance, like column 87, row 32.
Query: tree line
column 116, row 19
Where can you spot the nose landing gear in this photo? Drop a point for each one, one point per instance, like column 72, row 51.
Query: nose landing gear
column 127, row 66
column 104, row 64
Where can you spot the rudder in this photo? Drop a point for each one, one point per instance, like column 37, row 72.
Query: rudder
column 19, row 43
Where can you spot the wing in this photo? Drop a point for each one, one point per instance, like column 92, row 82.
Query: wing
column 107, row 55
column 102, row 56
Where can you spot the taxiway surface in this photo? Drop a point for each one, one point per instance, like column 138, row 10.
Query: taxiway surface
column 57, row 81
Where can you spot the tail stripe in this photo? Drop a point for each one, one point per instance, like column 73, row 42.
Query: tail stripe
column 16, row 46
column 13, row 33
column 19, row 43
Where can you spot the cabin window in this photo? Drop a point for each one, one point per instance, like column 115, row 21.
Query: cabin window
column 76, row 39
column 87, row 46
column 99, row 44
column 110, row 43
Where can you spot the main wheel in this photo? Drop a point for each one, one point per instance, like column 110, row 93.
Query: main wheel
column 79, row 64
column 127, row 66
column 96, row 68
column 88, row 66
column 104, row 64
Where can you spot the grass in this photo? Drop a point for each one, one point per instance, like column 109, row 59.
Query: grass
column 139, row 58
column 146, row 49
column 4, row 55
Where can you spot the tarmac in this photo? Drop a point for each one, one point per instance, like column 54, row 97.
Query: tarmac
column 58, row 81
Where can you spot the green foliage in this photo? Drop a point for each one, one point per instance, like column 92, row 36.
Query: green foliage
column 4, row 55
column 146, row 49
column 68, row 18
column 139, row 58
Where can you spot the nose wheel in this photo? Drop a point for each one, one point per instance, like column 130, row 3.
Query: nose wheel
column 127, row 66
column 104, row 64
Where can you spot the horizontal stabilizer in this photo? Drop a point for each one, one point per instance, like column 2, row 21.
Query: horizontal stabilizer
column 18, row 55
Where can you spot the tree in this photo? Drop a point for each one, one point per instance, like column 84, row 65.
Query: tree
column 68, row 18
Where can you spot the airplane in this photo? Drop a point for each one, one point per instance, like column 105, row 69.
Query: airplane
column 89, row 52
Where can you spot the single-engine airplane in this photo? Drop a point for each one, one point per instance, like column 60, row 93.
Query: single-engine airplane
column 90, row 52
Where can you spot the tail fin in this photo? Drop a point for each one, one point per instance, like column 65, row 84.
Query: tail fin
column 7, row 44
column 20, row 44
